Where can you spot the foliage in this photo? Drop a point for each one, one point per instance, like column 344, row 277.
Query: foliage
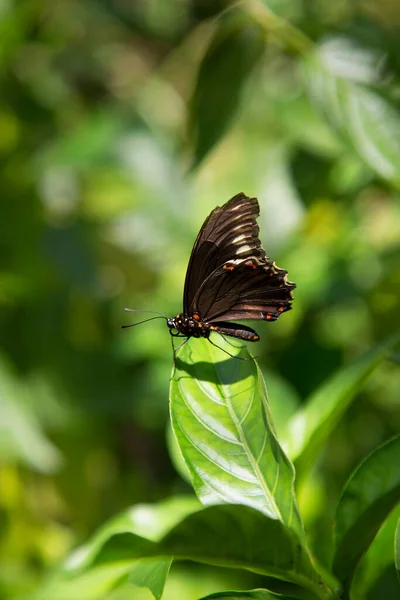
column 105, row 108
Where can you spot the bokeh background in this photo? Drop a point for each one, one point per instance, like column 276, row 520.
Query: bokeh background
column 100, row 208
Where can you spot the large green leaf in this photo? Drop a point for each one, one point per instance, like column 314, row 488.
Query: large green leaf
column 91, row 585
column 147, row 522
column 80, row 579
column 285, row 589
column 227, row 535
column 311, row 426
column 223, row 425
column 94, row 583
column 377, row 559
column 235, row 49
column 363, row 118
column 239, row 595
column 369, row 496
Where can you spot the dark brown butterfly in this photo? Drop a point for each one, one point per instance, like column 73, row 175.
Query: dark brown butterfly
column 230, row 278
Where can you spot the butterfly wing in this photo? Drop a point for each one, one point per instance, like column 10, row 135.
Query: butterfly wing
column 229, row 275
column 228, row 232
column 244, row 289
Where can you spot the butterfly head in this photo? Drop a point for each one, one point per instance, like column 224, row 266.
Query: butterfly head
column 188, row 326
column 171, row 322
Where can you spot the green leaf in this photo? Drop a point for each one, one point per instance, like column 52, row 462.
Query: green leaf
column 369, row 496
column 235, row 49
column 240, row 595
column 241, row 538
column 377, row 558
column 364, row 119
column 145, row 521
column 152, row 574
column 282, row 589
column 101, row 579
column 310, row 427
column 91, row 585
column 221, row 419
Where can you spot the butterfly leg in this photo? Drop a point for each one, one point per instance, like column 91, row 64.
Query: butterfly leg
column 175, row 350
column 228, row 353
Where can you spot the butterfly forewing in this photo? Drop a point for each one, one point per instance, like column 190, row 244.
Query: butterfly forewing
column 230, row 232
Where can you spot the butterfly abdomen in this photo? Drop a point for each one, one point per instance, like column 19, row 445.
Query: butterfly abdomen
column 234, row 330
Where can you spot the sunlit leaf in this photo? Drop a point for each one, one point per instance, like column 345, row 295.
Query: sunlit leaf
column 309, row 429
column 240, row 595
column 241, row 538
column 145, row 521
column 99, row 580
column 344, row 58
column 378, row 557
column 369, row 124
column 278, row 588
column 235, row 49
column 221, row 419
column 368, row 497
column 92, row 585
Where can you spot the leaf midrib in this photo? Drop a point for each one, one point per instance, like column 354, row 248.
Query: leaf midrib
column 251, row 458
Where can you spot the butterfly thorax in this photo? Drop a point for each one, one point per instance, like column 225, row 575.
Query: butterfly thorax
column 189, row 326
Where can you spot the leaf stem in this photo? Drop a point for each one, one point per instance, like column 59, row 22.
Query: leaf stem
column 292, row 37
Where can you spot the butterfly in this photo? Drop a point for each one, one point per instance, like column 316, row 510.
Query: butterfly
column 229, row 277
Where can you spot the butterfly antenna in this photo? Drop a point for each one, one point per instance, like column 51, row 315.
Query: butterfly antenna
column 228, row 353
column 153, row 312
column 140, row 322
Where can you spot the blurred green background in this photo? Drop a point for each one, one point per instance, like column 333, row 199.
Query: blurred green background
column 99, row 210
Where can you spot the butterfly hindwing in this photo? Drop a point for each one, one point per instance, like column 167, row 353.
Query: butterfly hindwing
column 244, row 289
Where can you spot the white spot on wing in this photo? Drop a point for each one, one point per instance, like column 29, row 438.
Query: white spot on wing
column 239, row 238
column 244, row 248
